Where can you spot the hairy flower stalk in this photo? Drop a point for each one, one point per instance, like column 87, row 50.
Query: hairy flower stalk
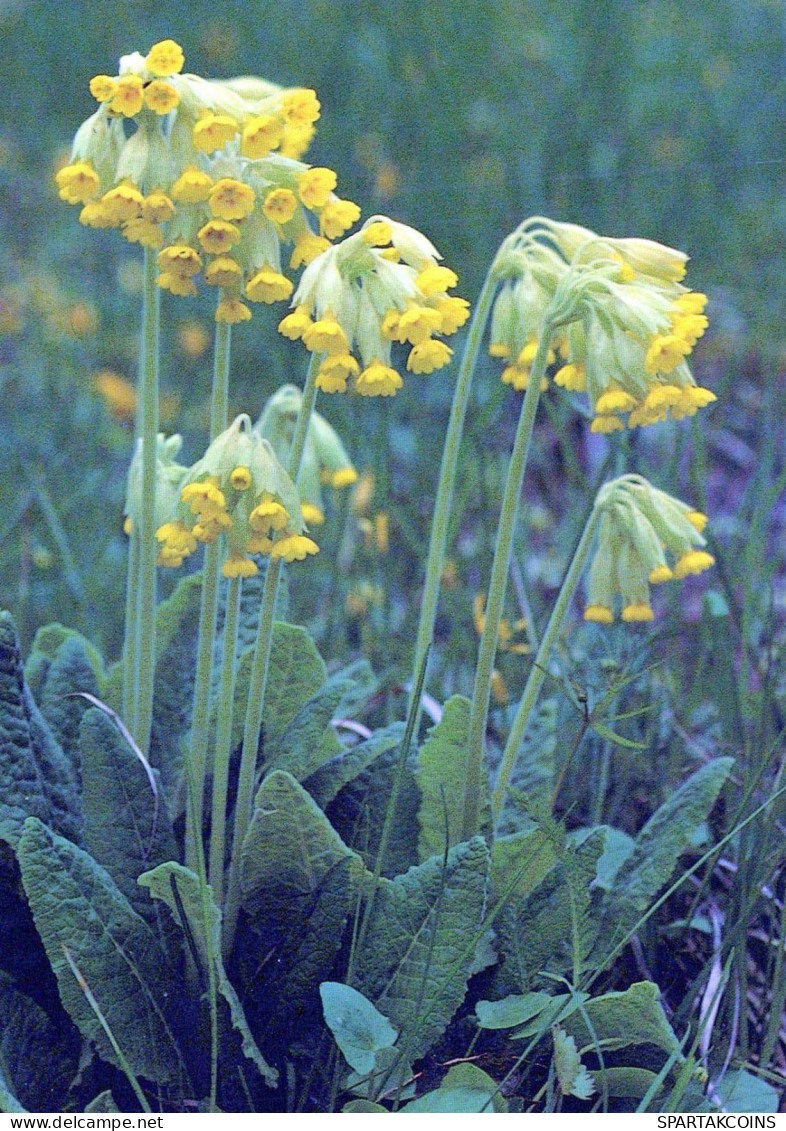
column 636, row 526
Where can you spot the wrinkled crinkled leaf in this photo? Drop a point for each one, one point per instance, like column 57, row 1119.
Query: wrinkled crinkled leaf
column 741, row 1091
column 306, row 742
column 77, row 905
column 622, row 1019
column 440, row 774
column 511, row 1011
column 533, row 774
column 128, row 828
column 37, row 1058
column 104, row 1101
column 36, row 777
column 325, row 783
column 519, row 863
column 289, row 848
column 466, row 1089
column 572, row 1075
column 359, row 1029
column 62, row 664
column 364, row 685
column 659, row 845
column 204, row 920
column 420, row 945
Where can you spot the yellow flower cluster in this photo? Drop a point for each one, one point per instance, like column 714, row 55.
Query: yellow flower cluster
column 239, row 490
column 379, row 286
column 627, row 324
column 199, row 181
column 638, row 527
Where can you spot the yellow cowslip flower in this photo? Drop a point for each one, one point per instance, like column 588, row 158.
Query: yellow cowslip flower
column 261, row 134
column 128, row 96
column 230, row 199
column 337, row 217
column 300, row 107
column 213, row 131
column 102, row 88
column 218, row 236
column 223, row 271
column 180, row 259
column 158, row 208
column 232, row 310
column 355, row 298
column 144, row 232
column 180, row 285
column 165, row 58
column 192, row 186
column 306, row 249
column 193, row 338
column 240, row 492
column 638, row 525
column 78, row 183
column 315, row 187
column 268, row 286
column 280, row 205
column 123, row 202
column 161, row 97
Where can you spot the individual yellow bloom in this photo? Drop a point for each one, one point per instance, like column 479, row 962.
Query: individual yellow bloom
column 340, row 366
column 296, row 140
column 697, row 519
column 212, row 132
column 102, row 88
column 665, row 353
column 600, row 614
column 571, row 377
column 453, row 312
column 499, row 349
column 693, row 562
column 123, row 202
column 660, row 574
column 414, row 325
column 178, row 542
column 428, row 356
column 315, row 186
column 325, row 336
column 344, row 477
column 165, row 58
column 128, row 96
column 161, row 97
column 499, row 689
column 306, row 249
column 433, row 280
column 95, row 215
column 331, row 382
column 192, row 186
column 378, row 380
column 238, row 565
column 338, row 217
column 528, row 352
column 516, row 376
column 280, row 205
column 312, row 514
column 144, row 232
column 180, row 285
column 260, row 134
column 180, row 259
column 605, row 424
column 300, row 107
column 230, row 199
column 693, row 302
column 218, row 236
column 158, row 208
column 662, row 397
column 377, row 234
column 689, row 327
column 637, row 612
column 294, row 547
column 78, row 183
column 294, row 325
column 614, row 400
column 206, row 499
column 232, row 311
column 259, row 544
column 222, row 271
column 268, row 285
column 118, row 394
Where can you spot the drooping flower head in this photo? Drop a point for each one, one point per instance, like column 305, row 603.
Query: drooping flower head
column 382, row 285
column 324, row 462
column 169, row 476
column 626, row 322
column 645, row 537
column 240, row 491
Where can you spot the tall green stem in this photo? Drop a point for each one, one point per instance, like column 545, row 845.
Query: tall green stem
column 259, row 672
column 497, row 586
column 226, row 699
column 130, row 685
column 148, row 550
column 208, row 608
column 447, row 478
column 538, row 670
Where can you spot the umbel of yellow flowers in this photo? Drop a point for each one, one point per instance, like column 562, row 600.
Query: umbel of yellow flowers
column 625, row 324
column 238, row 491
column 324, row 462
column 382, row 285
column 645, row 537
column 209, row 176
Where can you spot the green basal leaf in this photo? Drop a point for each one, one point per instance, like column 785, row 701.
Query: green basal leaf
column 623, row 1019
column 104, row 1101
column 512, row 1010
column 56, row 673
column 440, row 774
column 364, row 1107
column 420, row 944
column 77, row 906
column 520, row 863
column 37, row 1058
column 128, row 828
column 466, row 1089
column 326, row 782
column 36, row 777
column 359, row 1029
column 306, row 743
column 741, row 1091
column 204, row 921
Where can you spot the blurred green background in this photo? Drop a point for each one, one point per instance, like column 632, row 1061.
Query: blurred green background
column 647, row 117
